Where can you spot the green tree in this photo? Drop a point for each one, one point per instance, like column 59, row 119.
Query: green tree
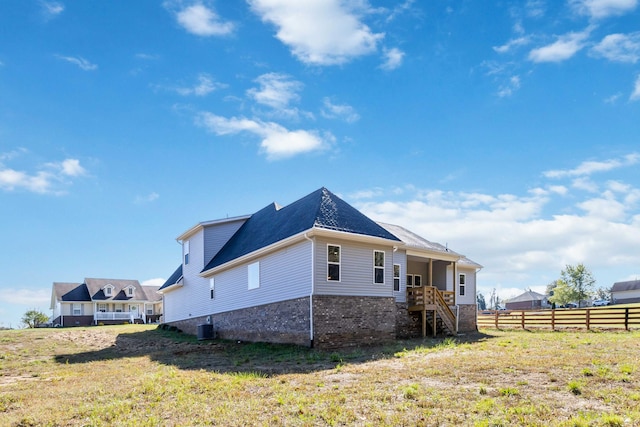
column 579, row 279
column 34, row 318
column 562, row 293
column 482, row 304
column 603, row 293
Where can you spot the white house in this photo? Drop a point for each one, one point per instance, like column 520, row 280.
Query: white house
column 626, row 292
column 105, row 301
column 318, row 273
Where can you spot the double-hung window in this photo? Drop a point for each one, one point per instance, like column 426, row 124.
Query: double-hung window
column 212, row 288
column 77, row 309
column 378, row 267
column 463, row 282
column 333, row 263
column 396, row 277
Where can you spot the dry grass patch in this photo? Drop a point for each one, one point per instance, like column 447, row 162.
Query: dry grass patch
column 137, row 375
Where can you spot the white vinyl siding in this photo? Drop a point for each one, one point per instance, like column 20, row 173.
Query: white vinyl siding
column 185, row 249
column 284, row 275
column 469, row 273
column 356, row 272
column 216, row 235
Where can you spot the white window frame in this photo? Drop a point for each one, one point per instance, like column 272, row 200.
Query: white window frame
column 377, row 267
column 413, row 279
column 149, row 311
column 462, row 284
column 130, row 291
column 102, row 307
column 339, row 263
column 253, row 275
column 396, row 278
column 185, row 252
column 108, row 290
column 212, row 288
column 77, row 307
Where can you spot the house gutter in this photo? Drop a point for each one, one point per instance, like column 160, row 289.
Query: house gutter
column 313, row 281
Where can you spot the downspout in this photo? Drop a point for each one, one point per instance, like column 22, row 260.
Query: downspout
column 313, row 281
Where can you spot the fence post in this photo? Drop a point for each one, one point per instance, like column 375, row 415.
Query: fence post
column 553, row 319
column 497, row 312
column 588, row 319
column 522, row 320
column 626, row 318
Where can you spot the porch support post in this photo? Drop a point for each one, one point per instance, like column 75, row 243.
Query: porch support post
column 454, row 270
column 424, row 322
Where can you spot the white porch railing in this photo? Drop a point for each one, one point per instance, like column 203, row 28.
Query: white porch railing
column 117, row 315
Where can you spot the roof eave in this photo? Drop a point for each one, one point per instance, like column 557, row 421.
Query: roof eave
column 193, row 230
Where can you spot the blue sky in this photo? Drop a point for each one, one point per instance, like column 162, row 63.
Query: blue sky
column 508, row 130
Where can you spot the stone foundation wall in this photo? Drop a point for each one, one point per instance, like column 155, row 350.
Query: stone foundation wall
column 347, row 321
column 467, row 321
column 282, row 322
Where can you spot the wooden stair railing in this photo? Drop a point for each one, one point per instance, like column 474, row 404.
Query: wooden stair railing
column 430, row 298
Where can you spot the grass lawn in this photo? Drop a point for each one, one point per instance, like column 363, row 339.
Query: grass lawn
column 140, row 376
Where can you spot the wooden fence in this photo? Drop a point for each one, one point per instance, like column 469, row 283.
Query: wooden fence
column 613, row 317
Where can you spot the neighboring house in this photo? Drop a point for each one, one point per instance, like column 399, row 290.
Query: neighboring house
column 625, row 292
column 529, row 300
column 317, row 273
column 104, row 301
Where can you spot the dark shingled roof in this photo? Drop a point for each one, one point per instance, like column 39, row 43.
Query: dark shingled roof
column 320, row 209
column 71, row 291
column 631, row 285
column 173, row 279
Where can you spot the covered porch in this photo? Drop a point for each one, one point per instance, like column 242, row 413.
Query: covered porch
column 116, row 313
column 431, row 291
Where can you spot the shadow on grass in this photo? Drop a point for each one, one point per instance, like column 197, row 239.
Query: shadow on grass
column 186, row 352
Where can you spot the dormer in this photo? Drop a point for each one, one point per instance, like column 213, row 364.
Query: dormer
column 130, row 291
column 108, row 290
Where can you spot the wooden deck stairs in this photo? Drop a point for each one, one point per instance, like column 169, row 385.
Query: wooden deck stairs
column 434, row 305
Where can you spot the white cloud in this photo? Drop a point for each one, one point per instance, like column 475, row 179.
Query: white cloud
column 619, row 48
column 320, row 32
column 510, row 87
column 635, row 95
column 47, row 180
column 51, row 9
column 599, row 9
column 513, row 43
column 202, row 21
column 203, row 87
column 393, row 59
column 339, row 111
column 590, row 167
column 562, row 49
column 27, row 297
column 147, row 199
column 535, row 8
column 276, row 90
column 79, row 61
column 277, row 141
column 518, row 244
column 154, row 282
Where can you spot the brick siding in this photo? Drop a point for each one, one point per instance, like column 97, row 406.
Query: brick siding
column 347, row 321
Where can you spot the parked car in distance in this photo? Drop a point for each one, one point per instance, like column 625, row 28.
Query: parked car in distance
column 600, row 302
column 569, row 305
